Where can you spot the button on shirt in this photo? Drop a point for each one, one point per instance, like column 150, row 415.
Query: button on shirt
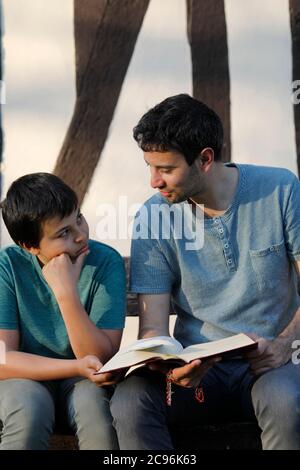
column 243, row 278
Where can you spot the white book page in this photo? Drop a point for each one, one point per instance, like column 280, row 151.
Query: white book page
column 215, row 347
column 173, row 346
column 143, row 350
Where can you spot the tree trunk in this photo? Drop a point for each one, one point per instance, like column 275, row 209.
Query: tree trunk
column 295, row 32
column 105, row 35
column 206, row 25
column 88, row 15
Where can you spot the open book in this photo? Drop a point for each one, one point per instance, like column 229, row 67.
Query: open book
column 166, row 348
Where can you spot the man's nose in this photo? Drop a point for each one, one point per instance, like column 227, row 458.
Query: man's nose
column 156, row 179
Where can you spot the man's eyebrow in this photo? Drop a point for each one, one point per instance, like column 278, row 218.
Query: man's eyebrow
column 165, row 166
column 161, row 166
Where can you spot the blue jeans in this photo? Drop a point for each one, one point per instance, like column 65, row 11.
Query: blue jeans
column 27, row 411
column 142, row 419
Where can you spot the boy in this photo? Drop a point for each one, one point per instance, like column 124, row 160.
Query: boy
column 62, row 299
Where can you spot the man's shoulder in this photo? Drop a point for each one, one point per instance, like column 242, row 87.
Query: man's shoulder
column 266, row 181
column 156, row 205
column 270, row 174
column 153, row 200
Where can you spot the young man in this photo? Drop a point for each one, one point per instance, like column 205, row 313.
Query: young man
column 62, row 299
column 243, row 278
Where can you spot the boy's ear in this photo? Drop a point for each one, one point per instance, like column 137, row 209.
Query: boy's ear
column 30, row 249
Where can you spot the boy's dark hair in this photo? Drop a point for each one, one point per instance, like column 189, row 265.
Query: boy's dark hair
column 183, row 124
column 30, row 201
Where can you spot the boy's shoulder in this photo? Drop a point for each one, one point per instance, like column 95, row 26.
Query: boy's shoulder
column 102, row 252
column 101, row 260
column 13, row 254
column 14, row 259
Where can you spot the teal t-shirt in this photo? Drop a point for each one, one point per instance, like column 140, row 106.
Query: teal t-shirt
column 27, row 303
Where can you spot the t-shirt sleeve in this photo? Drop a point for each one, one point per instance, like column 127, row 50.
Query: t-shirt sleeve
column 8, row 301
column 109, row 299
column 292, row 221
column 150, row 271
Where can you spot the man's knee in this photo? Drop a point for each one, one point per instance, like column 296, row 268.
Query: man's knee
column 278, row 396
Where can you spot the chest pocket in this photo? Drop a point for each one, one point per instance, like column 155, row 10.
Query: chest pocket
column 271, row 266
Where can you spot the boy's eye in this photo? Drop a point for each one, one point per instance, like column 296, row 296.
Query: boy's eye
column 64, row 233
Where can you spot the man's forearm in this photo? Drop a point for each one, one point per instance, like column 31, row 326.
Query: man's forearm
column 84, row 336
column 30, row 366
column 148, row 332
column 154, row 315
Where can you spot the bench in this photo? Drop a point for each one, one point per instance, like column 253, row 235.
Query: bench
column 233, row 435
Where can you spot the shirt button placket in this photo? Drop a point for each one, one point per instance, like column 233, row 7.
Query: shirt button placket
column 226, row 246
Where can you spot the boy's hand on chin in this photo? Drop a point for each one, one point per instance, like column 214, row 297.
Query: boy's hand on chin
column 62, row 274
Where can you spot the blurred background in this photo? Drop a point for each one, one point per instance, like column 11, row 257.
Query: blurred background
column 39, row 73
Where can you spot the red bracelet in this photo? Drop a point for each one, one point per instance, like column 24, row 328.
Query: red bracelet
column 199, row 393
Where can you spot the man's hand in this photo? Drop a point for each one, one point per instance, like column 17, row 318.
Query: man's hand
column 189, row 375
column 62, row 275
column 269, row 354
column 88, row 365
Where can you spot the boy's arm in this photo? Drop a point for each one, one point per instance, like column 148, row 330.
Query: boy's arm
column 30, row 366
column 85, row 337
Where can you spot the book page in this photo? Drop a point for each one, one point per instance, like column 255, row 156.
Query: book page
column 130, row 357
column 198, row 351
column 171, row 344
column 143, row 350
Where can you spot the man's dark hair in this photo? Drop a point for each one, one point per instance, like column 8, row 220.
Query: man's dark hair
column 183, row 124
column 30, row 201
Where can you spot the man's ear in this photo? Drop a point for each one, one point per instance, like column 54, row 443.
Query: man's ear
column 30, row 249
column 206, row 158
